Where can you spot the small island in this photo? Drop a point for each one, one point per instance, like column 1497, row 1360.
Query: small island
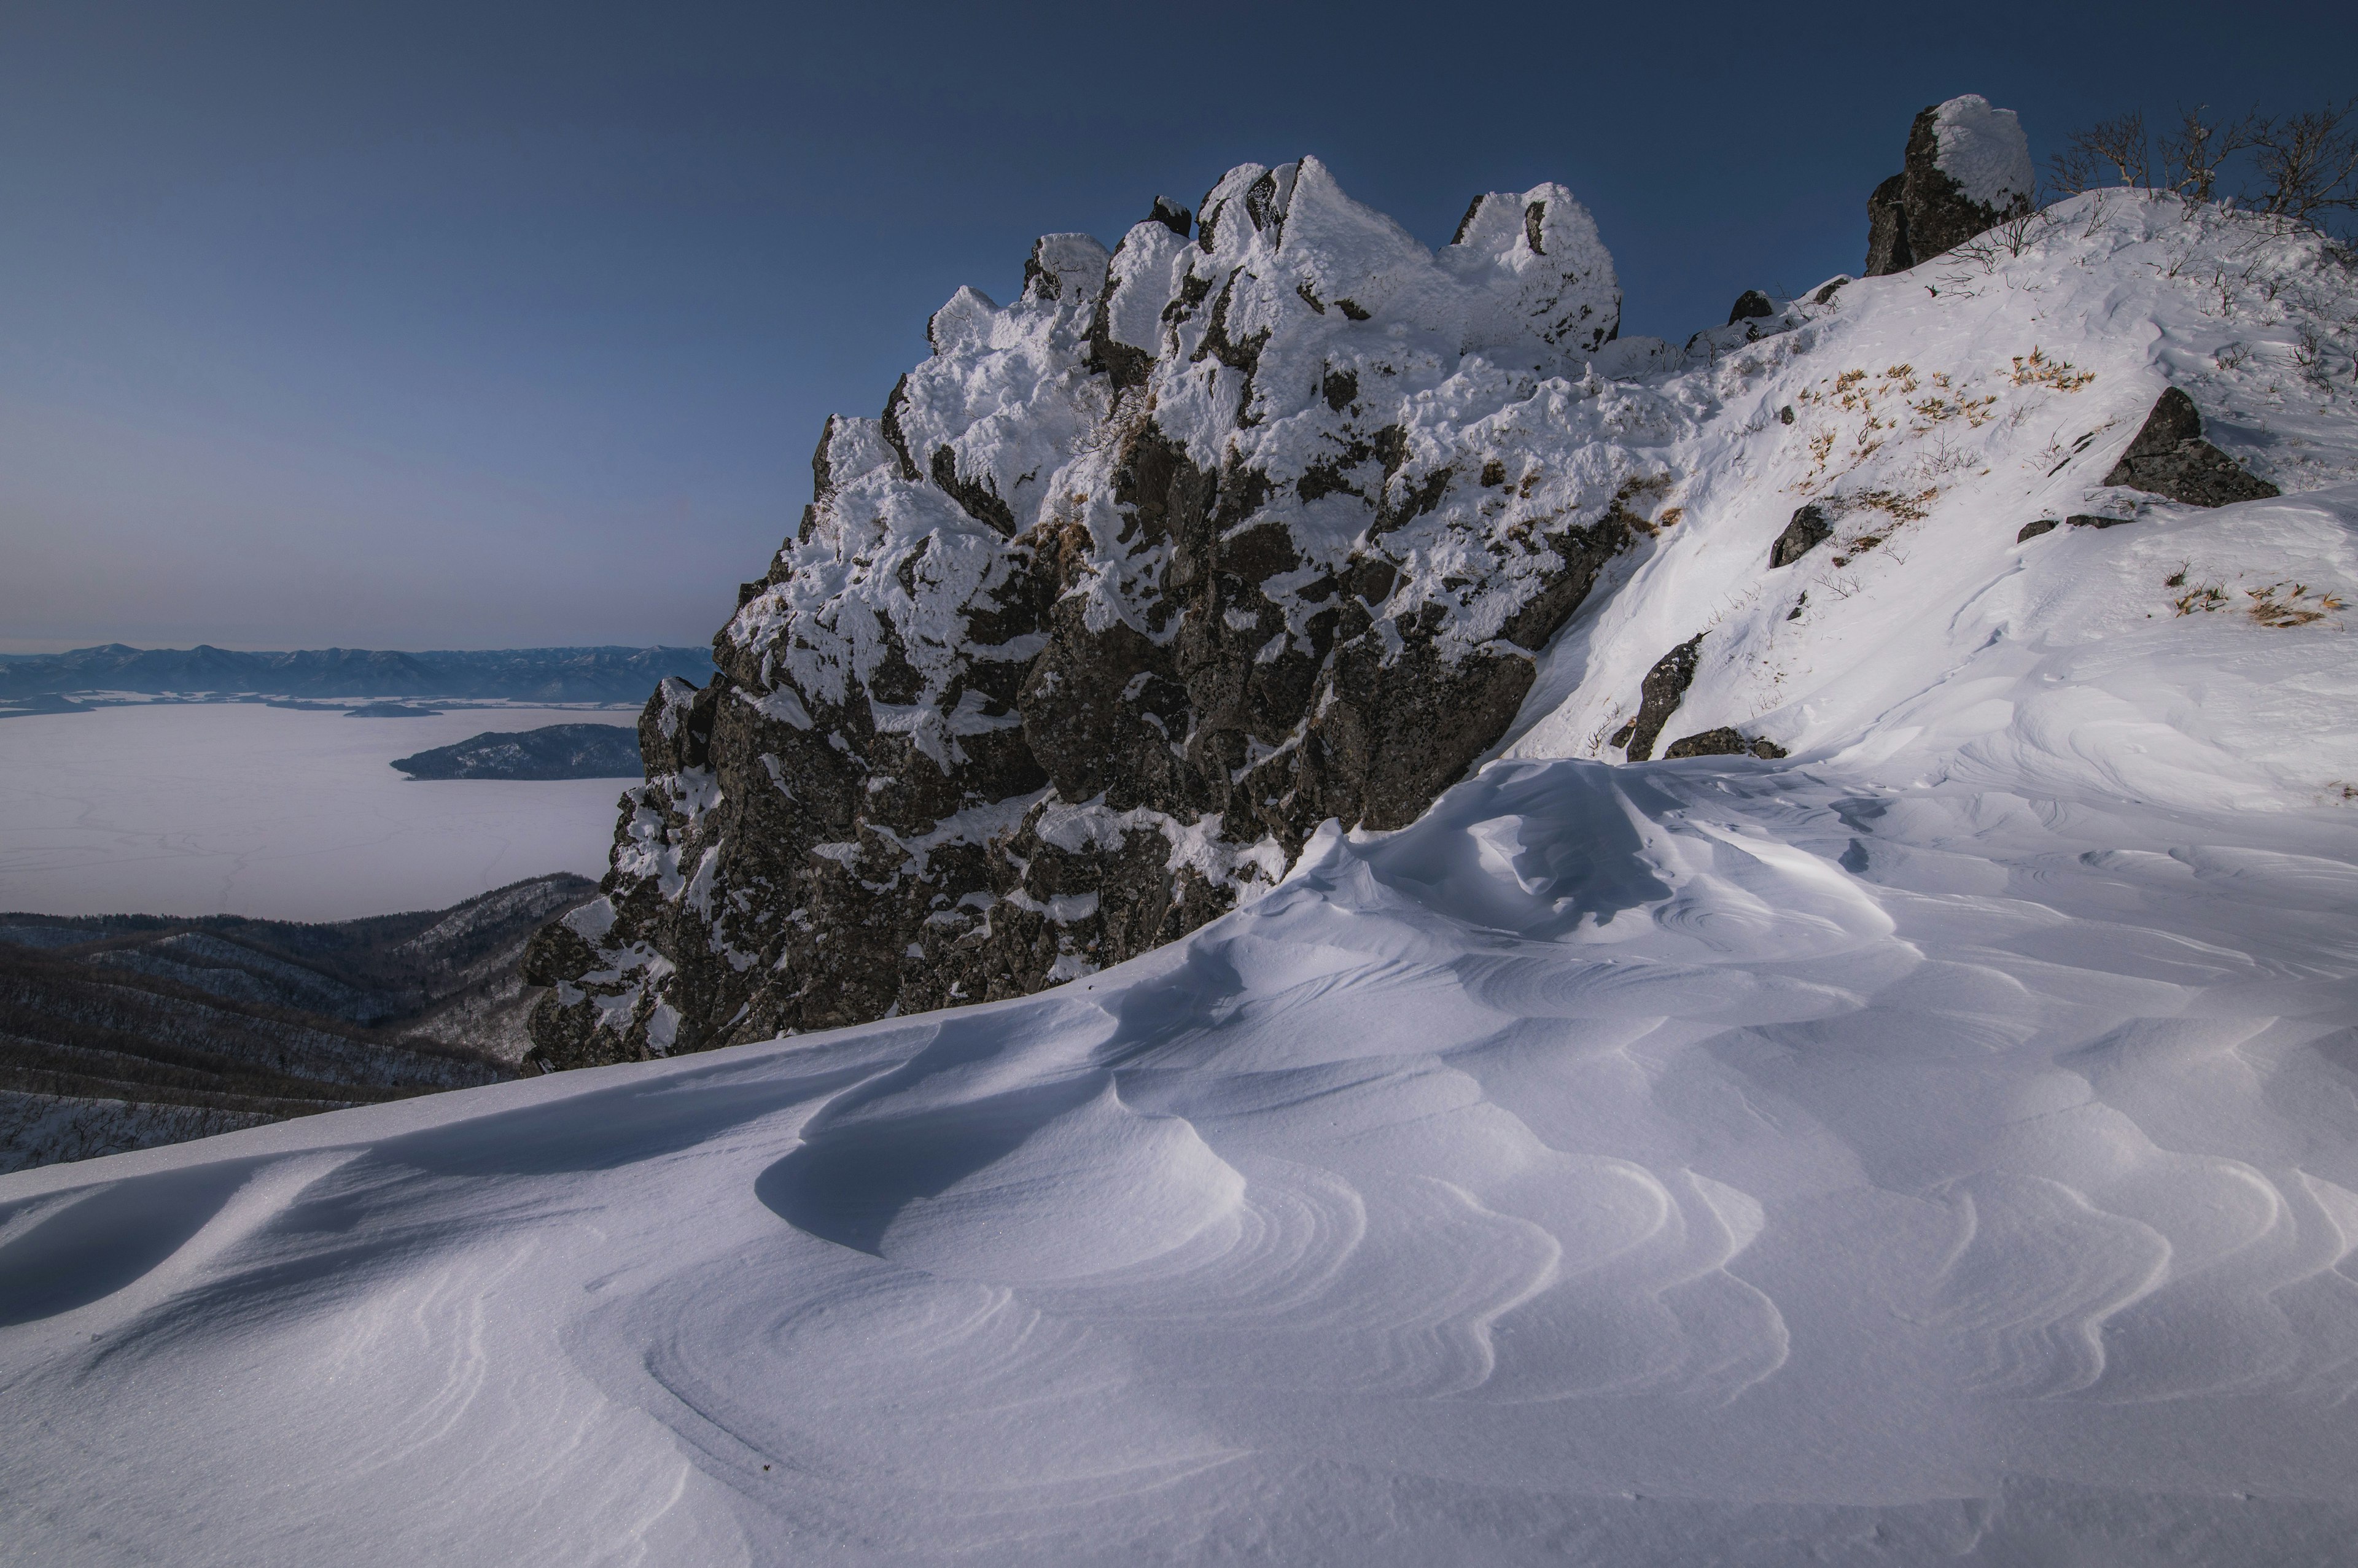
column 556, row 751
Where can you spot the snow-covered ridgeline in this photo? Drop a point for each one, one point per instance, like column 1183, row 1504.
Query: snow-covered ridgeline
column 1937, row 1145
column 1933, row 415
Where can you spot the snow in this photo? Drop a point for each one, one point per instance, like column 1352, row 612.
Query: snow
column 1940, row 1144
column 276, row 814
column 1935, row 413
column 1497, row 325
column 1983, row 150
column 1935, row 1165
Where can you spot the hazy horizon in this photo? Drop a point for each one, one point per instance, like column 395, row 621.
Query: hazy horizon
column 437, row 328
column 38, row 649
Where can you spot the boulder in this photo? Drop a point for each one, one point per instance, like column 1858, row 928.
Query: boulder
column 1751, row 305
column 1967, row 168
column 1806, row 532
column 1658, row 696
column 1722, row 742
column 2169, row 457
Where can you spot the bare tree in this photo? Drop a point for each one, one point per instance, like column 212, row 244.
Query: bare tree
column 2303, row 166
column 2308, row 162
column 2118, row 147
column 2192, row 152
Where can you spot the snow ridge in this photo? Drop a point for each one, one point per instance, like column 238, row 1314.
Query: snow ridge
column 1936, row 1143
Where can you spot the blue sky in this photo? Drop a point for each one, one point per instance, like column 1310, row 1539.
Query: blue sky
column 480, row 326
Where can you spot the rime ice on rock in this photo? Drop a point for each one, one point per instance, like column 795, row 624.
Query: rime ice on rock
column 1136, row 580
column 1968, row 168
column 1983, row 150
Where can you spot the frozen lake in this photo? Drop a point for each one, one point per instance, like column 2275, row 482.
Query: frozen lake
column 236, row 808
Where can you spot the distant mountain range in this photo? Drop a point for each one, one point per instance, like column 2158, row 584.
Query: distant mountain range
column 535, row 675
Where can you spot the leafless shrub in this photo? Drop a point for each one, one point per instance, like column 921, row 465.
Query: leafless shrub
column 2302, row 168
column 2111, row 152
column 2308, row 162
column 2021, row 232
column 2194, row 149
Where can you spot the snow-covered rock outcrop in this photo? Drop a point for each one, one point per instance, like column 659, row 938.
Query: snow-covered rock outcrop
column 1261, row 520
column 1968, row 168
column 1277, row 517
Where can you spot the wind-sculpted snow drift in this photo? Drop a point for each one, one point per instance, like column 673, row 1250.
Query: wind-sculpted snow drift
column 1940, row 1142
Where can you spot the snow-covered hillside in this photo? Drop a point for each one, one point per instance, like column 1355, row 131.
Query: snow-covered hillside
column 1938, row 1143
column 1930, row 416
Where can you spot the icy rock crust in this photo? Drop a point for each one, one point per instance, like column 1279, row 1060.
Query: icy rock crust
column 1983, row 150
column 1967, row 169
column 1259, row 520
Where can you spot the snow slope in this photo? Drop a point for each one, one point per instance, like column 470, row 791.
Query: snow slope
column 1937, row 411
column 1941, row 1144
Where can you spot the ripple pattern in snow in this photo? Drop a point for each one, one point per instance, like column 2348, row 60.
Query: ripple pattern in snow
column 1676, row 1163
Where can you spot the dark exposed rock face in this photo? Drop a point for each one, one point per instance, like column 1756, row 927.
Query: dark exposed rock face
column 1137, row 581
column 1887, row 227
column 1967, row 169
column 1806, row 532
column 2077, row 520
column 1751, row 305
column 2169, row 457
column 1665, row 687
column 1722, row 742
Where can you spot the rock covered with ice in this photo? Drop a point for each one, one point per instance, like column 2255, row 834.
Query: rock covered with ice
column 1259, row 520
column 1968, row 168
column 1274, row 516
column 1983, row 150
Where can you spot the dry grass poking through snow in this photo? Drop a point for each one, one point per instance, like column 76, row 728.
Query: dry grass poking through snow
column 2279, row 604
column 2036, row 369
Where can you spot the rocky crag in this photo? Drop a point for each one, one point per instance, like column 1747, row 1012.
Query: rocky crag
column 1262, row 520
column 1968, row 169
column 1257, row 521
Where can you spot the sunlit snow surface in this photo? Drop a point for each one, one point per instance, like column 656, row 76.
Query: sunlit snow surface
column 1939, row 1145
column 278, row 813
